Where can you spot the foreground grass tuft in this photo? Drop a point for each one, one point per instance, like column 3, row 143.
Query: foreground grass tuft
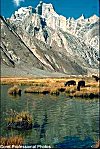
column 22, row 120
column 14, row 90
column 15, row 140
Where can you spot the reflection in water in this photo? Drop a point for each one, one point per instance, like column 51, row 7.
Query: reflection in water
column 75, row 142
column 43, row 129
column 14, row 97
column 54, row 118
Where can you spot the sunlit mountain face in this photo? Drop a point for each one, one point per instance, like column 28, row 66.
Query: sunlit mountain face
column 38, row 41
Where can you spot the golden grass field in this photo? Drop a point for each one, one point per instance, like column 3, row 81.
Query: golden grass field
column 56, row 85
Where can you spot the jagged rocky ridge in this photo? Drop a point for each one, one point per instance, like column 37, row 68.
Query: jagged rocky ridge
column 38, row 41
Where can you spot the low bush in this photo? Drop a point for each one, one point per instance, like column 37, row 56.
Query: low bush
column 14, row 90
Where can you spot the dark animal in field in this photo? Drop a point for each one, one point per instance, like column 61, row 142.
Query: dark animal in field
column 71, row 82
column 80, row 84
column 96, row 77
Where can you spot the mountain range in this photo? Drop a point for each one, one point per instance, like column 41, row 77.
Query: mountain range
column 40, row 42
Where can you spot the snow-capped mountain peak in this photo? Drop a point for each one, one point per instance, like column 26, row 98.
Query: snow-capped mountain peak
column 43, row 30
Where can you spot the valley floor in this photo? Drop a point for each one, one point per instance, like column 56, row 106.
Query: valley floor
column 56, row 85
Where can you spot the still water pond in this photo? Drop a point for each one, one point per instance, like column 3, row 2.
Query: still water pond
column 65, row 122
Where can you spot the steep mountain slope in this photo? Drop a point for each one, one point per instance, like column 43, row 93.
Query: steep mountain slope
column 39, row 39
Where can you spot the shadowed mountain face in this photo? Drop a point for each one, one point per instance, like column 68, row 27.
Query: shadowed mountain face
column 42, row 43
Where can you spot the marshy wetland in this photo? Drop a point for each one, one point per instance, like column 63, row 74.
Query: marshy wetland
column 59, row 115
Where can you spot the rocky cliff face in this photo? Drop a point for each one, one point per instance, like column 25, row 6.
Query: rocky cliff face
column 39, row 37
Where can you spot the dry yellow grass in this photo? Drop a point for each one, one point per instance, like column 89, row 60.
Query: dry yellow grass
column 90, row 92
column 42, row 90
column 37, row 90
column 29, row 81
column 15, row 140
